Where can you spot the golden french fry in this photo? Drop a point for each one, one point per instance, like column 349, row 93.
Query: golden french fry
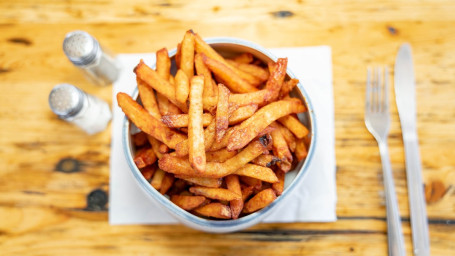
column 157, row 179
column 294, row 125
column 261, row 74
column 178, row 55
column 222, row 112
column 228, row 76
column 146, row 123
column 187, row 55
column 181, row 120
column 166, row 183
column 182, row 87
column 215, row 193
column 287, row 87
column 233, row 184
column 178, row 187
column 210, row 88
column 248, row 129
column 242, row 113
column 266, row 160
column 215, row 210
column 257, row 172
column 148, row 98
column 278, row 187
column 182, row 148
column 166, row 107
column 252, row 182
column 163, row 148
column 196, row 147
column 144, row 157
column 172, row 80
column 219, row 156
column 163, row 64
column 244, row 58
column 139, row 139
column 151, row 78
column 260, row 200
column 155, row 146
column 180, row 166
column 300, row 150
column 187, row 203
column 281, row 150
column 247, row 191
column 240, row 99
column 276, row 79
column 148, row 172
column 205, row 182
column 288, row 136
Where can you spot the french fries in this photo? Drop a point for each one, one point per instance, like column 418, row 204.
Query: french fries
column 237, row 164
column 196, row 148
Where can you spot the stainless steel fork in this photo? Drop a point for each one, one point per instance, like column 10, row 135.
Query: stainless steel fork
column 377, row 121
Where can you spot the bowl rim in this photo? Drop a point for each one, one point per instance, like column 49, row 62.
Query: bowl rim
column 223, row 225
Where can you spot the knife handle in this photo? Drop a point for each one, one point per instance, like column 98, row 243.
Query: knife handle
column 417, row 205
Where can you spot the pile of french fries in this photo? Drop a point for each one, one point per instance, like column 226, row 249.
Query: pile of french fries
column 218, row 137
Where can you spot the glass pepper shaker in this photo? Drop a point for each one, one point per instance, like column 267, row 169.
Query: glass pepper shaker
column 95, row 61
column 75, row 106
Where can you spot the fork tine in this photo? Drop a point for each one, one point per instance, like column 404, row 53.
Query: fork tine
column 368, row 91
column 378, row 90
column 386, row 89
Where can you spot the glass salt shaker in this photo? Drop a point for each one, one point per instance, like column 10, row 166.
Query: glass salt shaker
column 95, row 61
column 75, row 106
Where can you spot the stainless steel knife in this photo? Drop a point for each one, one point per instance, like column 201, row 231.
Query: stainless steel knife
column 406, row 102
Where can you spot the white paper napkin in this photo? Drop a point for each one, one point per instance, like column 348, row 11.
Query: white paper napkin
column 313, row 201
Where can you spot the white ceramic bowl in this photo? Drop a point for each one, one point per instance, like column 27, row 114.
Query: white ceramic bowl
column 228, row 47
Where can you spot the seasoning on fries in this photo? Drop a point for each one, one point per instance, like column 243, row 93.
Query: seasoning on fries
column 218, row 137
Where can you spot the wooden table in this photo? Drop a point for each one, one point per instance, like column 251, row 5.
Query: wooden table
column 44, row 211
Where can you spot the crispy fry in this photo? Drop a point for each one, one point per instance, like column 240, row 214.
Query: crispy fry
column 240, row 99
column 146, row 123
column 157, row 179
column 155, row 146
column 233, row 184
column 253, row 182
column 148, row 98
column 182, row 148
column 139, row 139
column 187, row 57
column 242, row 113
column 276, row 79
column 219, row 156
column 281, row 149
column 215, row 210
column 181, row 120
column 215, row 193
column 300, row 150
column 247, row 191
column 260, row 73
column 178, row 55
column 166, row 183
column 180, row 166
column 250, row 128
column 163, row 64
column 196, row 147
column 266, row 160
column 148, row 171
column 151, row 78
column 163, row 148
column 178, row 187
column 288, row 136
column 244, row 58
column 257, row 172
column 222, row 112
column 166, row 107
column 287, row 87
column 228, row 76
column 182, row 87
column 294, row 125
column 224, row 142
column 278, row 187
column 210, row 88
column 260, row 200
column 205, row 182
column 187, row 202
column 144, row 157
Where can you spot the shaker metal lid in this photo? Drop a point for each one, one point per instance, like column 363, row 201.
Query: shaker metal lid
column 80, row 47
column 66, row 100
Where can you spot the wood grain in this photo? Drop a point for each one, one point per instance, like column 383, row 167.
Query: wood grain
column 47, row 212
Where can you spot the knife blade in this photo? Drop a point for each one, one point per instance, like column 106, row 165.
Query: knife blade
column 406, row 103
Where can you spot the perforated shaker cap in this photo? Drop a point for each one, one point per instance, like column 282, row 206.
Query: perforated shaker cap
column 66, row 100
column 80, row 47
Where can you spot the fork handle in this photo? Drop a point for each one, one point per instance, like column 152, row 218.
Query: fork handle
column 394, row 231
